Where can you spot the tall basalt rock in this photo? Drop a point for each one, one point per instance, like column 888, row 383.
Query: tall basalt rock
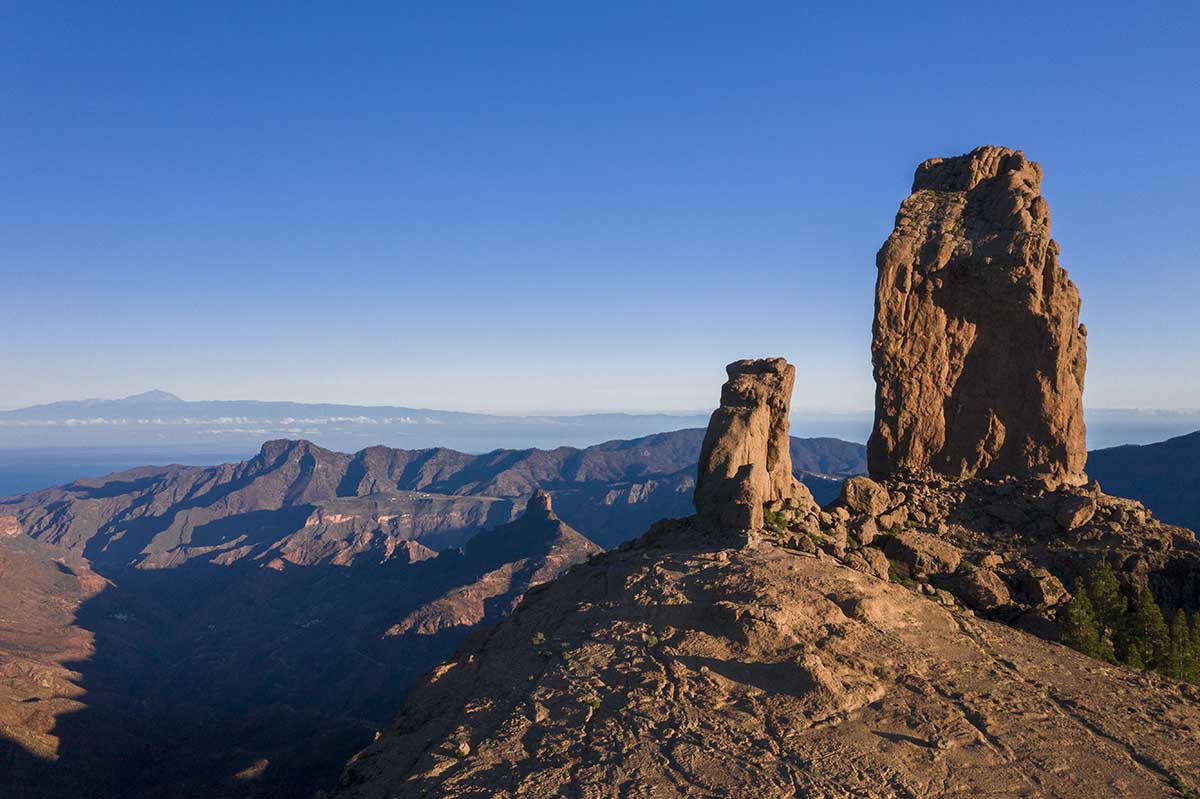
column 745, row 460
column 978, row 353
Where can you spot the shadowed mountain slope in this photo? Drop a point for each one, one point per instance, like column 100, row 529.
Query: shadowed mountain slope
column 1164, row 476
column 234, row 679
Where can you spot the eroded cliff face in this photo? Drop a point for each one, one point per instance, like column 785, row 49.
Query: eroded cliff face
column 745, row 460
column 978, row 353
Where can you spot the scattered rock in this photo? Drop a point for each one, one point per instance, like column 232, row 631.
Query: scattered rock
column 991, row 560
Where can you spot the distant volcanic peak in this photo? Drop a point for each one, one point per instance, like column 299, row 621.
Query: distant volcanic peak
column 978, row 353
column 745, row 460
column 154, row 395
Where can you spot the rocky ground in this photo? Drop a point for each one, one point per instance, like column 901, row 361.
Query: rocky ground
column 695, row 663
column 1007, row 548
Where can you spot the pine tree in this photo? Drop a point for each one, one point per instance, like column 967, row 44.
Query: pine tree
column 1147, row 631
column 1175, row 664
column 1109, row 604
column 1105, row 592
column 1080, row 630
column 1193, row 657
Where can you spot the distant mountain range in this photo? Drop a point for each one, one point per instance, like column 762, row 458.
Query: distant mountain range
column 239, row 630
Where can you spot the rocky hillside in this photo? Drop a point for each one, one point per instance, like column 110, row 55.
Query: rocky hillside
column 699, row 665
column 44, row 588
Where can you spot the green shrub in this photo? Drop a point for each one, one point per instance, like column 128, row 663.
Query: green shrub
column 775, row 521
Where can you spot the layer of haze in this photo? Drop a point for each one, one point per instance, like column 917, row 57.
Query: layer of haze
column 529, row 207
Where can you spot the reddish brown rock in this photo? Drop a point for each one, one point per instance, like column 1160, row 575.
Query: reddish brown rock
column 10, row 526
column 923, row 554
column 978, row 353
column 745, row 460
column 863, row 495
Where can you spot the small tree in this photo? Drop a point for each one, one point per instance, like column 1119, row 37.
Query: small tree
column 1105, row 592
column 1147, row 631
column 1176, row 664
column 1110, row 605
column 1080, row 630
column 1192, row 671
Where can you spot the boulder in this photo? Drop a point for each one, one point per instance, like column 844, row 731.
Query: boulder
column 876, row 561
column 1040, row 587
column 991, row 560
column 862, row 495
column 1075, row 511
column 978, row 353
column 980, row 589
column 866, row 531
column 922, row 554
column 745, row 460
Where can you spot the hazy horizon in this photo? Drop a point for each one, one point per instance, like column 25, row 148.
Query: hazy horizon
column 649, row 411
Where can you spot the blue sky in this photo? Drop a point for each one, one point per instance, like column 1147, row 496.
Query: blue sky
column 559, row 206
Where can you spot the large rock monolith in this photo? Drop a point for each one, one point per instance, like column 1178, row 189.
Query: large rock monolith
column 745, row 460
column 978, row 352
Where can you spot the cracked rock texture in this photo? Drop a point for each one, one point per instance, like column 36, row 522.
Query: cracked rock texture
column 978, row 353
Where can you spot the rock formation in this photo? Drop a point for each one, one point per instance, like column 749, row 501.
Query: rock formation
column 509, row 560
column 703, row 666
column 745, row 460
column 691, row 664
column 978, row 352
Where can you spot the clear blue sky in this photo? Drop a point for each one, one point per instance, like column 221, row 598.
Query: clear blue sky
column 559, row 206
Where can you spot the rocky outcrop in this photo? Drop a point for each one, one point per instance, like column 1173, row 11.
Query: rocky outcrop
column 745, row 460
column 508, row 561
column 700, row 665
column 978, row 352
column 696, row 662
column 10, row 526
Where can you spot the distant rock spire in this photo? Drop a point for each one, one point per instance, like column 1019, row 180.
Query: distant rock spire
column 540, row 506
column 746, row 459
column 978, row 353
